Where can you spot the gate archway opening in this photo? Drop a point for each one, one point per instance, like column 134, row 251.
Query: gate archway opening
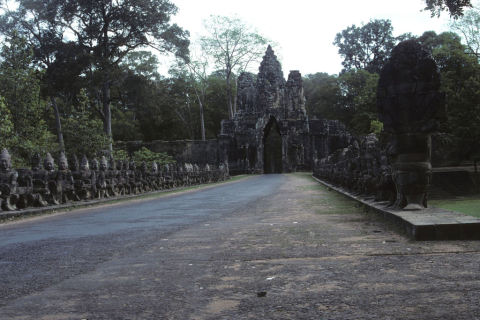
column 272, row 148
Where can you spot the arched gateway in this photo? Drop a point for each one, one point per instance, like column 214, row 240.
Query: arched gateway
column 270, row 132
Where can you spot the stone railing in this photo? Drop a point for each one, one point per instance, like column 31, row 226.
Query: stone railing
column 40, row 187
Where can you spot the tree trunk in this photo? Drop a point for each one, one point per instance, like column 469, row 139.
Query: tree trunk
column 202, row 122
column 229, row 98
column 235, row 99
column 58, row 124
column 107, row 120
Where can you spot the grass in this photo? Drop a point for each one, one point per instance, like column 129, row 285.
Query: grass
column 469, row 207
column 329, row 201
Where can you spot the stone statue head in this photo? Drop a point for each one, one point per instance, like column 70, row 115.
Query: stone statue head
column 372, row 143
column 62, row 162
column 133, row 166
column 74, row 163
column 103, row 164
column 126, row 165
column 5, row 160
column 94, row 164
column 143, row 167
column 119, row 165
column 354, row 150
column 49, row 163
column 154, row 167
column 111, row 163
column 36, row 161
column 84, row 164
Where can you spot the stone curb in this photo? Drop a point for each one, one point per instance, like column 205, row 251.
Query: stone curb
column 429, row 224
column 81, row 204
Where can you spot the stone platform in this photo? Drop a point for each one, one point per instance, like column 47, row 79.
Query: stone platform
column 429, row 224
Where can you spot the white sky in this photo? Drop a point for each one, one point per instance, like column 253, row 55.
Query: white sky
column 305, row 29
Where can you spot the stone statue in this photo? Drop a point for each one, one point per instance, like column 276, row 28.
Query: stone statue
column 410, row 106
column 41, row 193
column 64, row 179
column 135, row 178
column 85, row 181
column 8, row 182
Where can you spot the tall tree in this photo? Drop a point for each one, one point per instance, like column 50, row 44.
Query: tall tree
column 233, row 46
column 43, row 26
column 454, row 7
column 468, row 27
column 366, row 47
column 109, row 30
column 26, row 130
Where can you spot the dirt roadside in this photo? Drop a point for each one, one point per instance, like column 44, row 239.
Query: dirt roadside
column 305, row 253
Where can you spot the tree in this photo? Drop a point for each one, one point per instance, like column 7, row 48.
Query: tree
column 367, row 47
column 233, row 45
column 468, row 27
column 456, row 66
column 454, row 7
column 109, row 30
column 42, row 25
column 83, row 132
column 465, row 121
column 323, row 95
column 350, row 98
column 25, row 129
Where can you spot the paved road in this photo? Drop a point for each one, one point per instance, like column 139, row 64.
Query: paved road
column 207, row 253
column 42, row 252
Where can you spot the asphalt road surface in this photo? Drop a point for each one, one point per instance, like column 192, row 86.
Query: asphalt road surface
column 270, row 247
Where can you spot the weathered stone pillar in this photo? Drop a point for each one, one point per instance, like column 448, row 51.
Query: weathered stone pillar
column 410, row 105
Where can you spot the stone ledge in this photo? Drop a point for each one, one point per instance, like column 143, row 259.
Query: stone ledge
column 429, row 224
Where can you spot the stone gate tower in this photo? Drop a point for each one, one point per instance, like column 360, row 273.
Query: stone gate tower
column 267, row 106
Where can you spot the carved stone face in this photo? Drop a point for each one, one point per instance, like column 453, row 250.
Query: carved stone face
column 94, row 165
column 144, row 167
column 36, row 162
column 85, row 166
column 48, row 165
column 371, row 147
column 5, row 163
column 119, row 165
column 74, row 166
column 62, row 165
column 103, row 166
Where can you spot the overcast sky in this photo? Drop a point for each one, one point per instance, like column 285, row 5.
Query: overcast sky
column 305, row 29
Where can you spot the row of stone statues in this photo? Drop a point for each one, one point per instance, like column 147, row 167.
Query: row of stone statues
column 84, row 180
column 364, row 170
column 410, row 105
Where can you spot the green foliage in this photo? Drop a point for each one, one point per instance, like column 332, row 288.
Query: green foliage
column 234, row 46
column 119, row 155
column 83, row 133
column 25, row 130
column 6, row 124
column 366, row 47
column 464, row 118
column 376, row 127
column 468, row 27
column 454, row 7
column 149, row 156
column 350, row 98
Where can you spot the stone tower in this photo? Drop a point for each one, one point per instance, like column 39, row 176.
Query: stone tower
column 271, row 102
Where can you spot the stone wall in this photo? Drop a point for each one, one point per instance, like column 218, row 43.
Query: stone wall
column 183, row 151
